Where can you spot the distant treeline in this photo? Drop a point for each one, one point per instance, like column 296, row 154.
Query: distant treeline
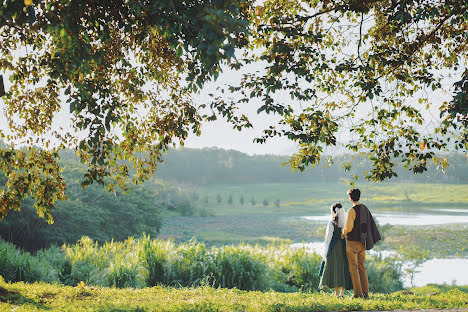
column 213, row 165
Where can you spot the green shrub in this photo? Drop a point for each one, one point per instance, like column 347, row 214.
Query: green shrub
column 302, row 268
column 145, row 262
column 51, row 264
column 80, row 271
column 16, row 265
column 238, row 267
column 384, row 274
column 122, row 274
column 153, row 257
column 188, row 265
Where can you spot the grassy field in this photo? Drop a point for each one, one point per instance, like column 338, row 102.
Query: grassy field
column 46, row 297
column 259, row 228
column 311, row 198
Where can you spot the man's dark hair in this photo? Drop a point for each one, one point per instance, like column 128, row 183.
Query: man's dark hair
column 355, row 194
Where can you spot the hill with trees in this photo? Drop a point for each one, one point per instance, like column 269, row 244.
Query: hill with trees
column 214, row 165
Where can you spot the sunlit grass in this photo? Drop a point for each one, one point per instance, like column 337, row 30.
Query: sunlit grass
column 40, row 296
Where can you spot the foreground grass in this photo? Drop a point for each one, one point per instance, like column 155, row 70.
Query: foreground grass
column 42, row 296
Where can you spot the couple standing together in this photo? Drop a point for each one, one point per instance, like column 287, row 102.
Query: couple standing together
column 347, row 238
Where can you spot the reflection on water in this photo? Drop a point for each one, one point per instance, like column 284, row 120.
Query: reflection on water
column 435, row 271
column 398, row 218
column 452, row 210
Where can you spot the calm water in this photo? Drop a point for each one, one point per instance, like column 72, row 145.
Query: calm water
column 435, row 271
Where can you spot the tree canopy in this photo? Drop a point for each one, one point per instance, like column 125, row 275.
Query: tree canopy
column 366, row 70
column 127, row 71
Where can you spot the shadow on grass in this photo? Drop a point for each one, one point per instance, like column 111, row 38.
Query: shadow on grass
column 113, row 308
column 15, row 297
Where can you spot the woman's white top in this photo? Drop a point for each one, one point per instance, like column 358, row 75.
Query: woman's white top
column 328, row 238
column 342, row 215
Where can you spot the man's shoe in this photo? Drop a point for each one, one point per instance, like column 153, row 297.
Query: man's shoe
column 358, row 296
column 365, row 296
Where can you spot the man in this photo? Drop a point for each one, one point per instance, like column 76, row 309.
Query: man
column 361, row 233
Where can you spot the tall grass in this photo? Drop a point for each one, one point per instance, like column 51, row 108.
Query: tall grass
column 143, row 262
column 153, row 256
column 238, row 266
column 16, row 265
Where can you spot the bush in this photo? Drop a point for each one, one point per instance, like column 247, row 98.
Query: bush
column 153, row 256
column 123, row 273
column 188, row 265
column 302, row 268
column 81, row 271
column 16, row 265
column 52, row 262
column 94, row 212
column 238, row 267
column 384, row 274
column 144, row 262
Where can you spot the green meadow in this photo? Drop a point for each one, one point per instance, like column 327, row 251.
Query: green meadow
column 47, row 297
column 316, row 197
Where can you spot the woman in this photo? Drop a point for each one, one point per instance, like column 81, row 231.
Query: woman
column 335, row 272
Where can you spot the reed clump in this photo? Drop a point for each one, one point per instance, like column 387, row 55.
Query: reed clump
column 146, row 262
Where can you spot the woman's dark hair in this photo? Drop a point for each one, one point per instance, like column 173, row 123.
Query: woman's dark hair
column 334, row 207
column 337, row 205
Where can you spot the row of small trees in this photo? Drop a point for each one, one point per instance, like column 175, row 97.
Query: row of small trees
column 242, row 200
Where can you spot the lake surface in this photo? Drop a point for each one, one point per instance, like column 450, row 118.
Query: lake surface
column 440, row 216
column 440, row 271
column 435, row 271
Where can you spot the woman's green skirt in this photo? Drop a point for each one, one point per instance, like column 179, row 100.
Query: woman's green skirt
column 336, row 270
